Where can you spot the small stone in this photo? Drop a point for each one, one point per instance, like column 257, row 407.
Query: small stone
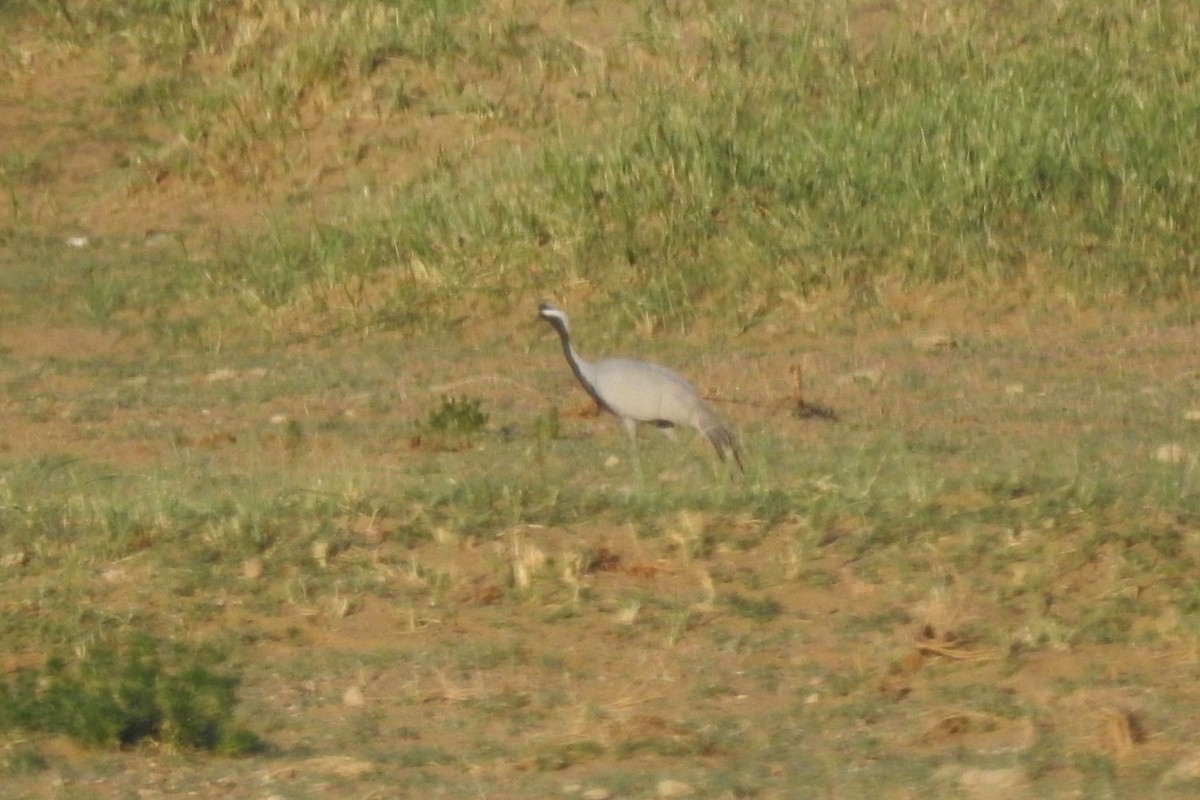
column 629, row 614
column 1171, row 453
column 611, row 462
column 340, row 607
column 320, row 552
column 18, row 558
column 369, row 529
column 988, row 783
column 252, row 568
column 934, row 341
column 157, row 239
column 320, row 766
column 1192, row 415
column 669, row 788
column 596, row 794
column 221, row 375
column 338, row 766
column 872, row 376
column 353, row 697
column 1185, row 770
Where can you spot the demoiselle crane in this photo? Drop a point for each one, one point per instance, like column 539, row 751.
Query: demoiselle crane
column 638, row 391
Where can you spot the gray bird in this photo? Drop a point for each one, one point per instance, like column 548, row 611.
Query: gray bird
column 637, row 391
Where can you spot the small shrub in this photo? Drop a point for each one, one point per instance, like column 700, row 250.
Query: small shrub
column 458, row 415
column 117, row 694
column 763, row 610
column 22, row 760
column 547, row 425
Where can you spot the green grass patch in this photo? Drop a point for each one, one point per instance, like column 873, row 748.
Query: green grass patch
column 120, row 693
column 970, row 154
column 758, row 609
column 461, row 416
column 1053, row 150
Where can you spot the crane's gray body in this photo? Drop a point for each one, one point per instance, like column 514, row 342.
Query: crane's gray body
column 638, row 391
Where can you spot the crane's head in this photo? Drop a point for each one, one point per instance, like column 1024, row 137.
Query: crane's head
column 554, row 315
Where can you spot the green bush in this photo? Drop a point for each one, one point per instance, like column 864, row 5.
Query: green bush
column 458, row 415
column 119, row 693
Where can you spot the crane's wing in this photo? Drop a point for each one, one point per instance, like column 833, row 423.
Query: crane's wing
column 645, row 392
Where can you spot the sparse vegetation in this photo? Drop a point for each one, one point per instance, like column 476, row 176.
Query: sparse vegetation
column 268, row 274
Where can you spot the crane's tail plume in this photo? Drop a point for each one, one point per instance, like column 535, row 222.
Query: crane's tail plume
column 723, row 441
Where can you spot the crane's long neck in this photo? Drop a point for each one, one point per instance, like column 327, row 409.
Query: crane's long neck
column 581, row 368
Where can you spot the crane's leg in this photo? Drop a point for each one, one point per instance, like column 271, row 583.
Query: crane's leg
column 631, row 429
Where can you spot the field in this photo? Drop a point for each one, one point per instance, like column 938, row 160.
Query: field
column 298, row 498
